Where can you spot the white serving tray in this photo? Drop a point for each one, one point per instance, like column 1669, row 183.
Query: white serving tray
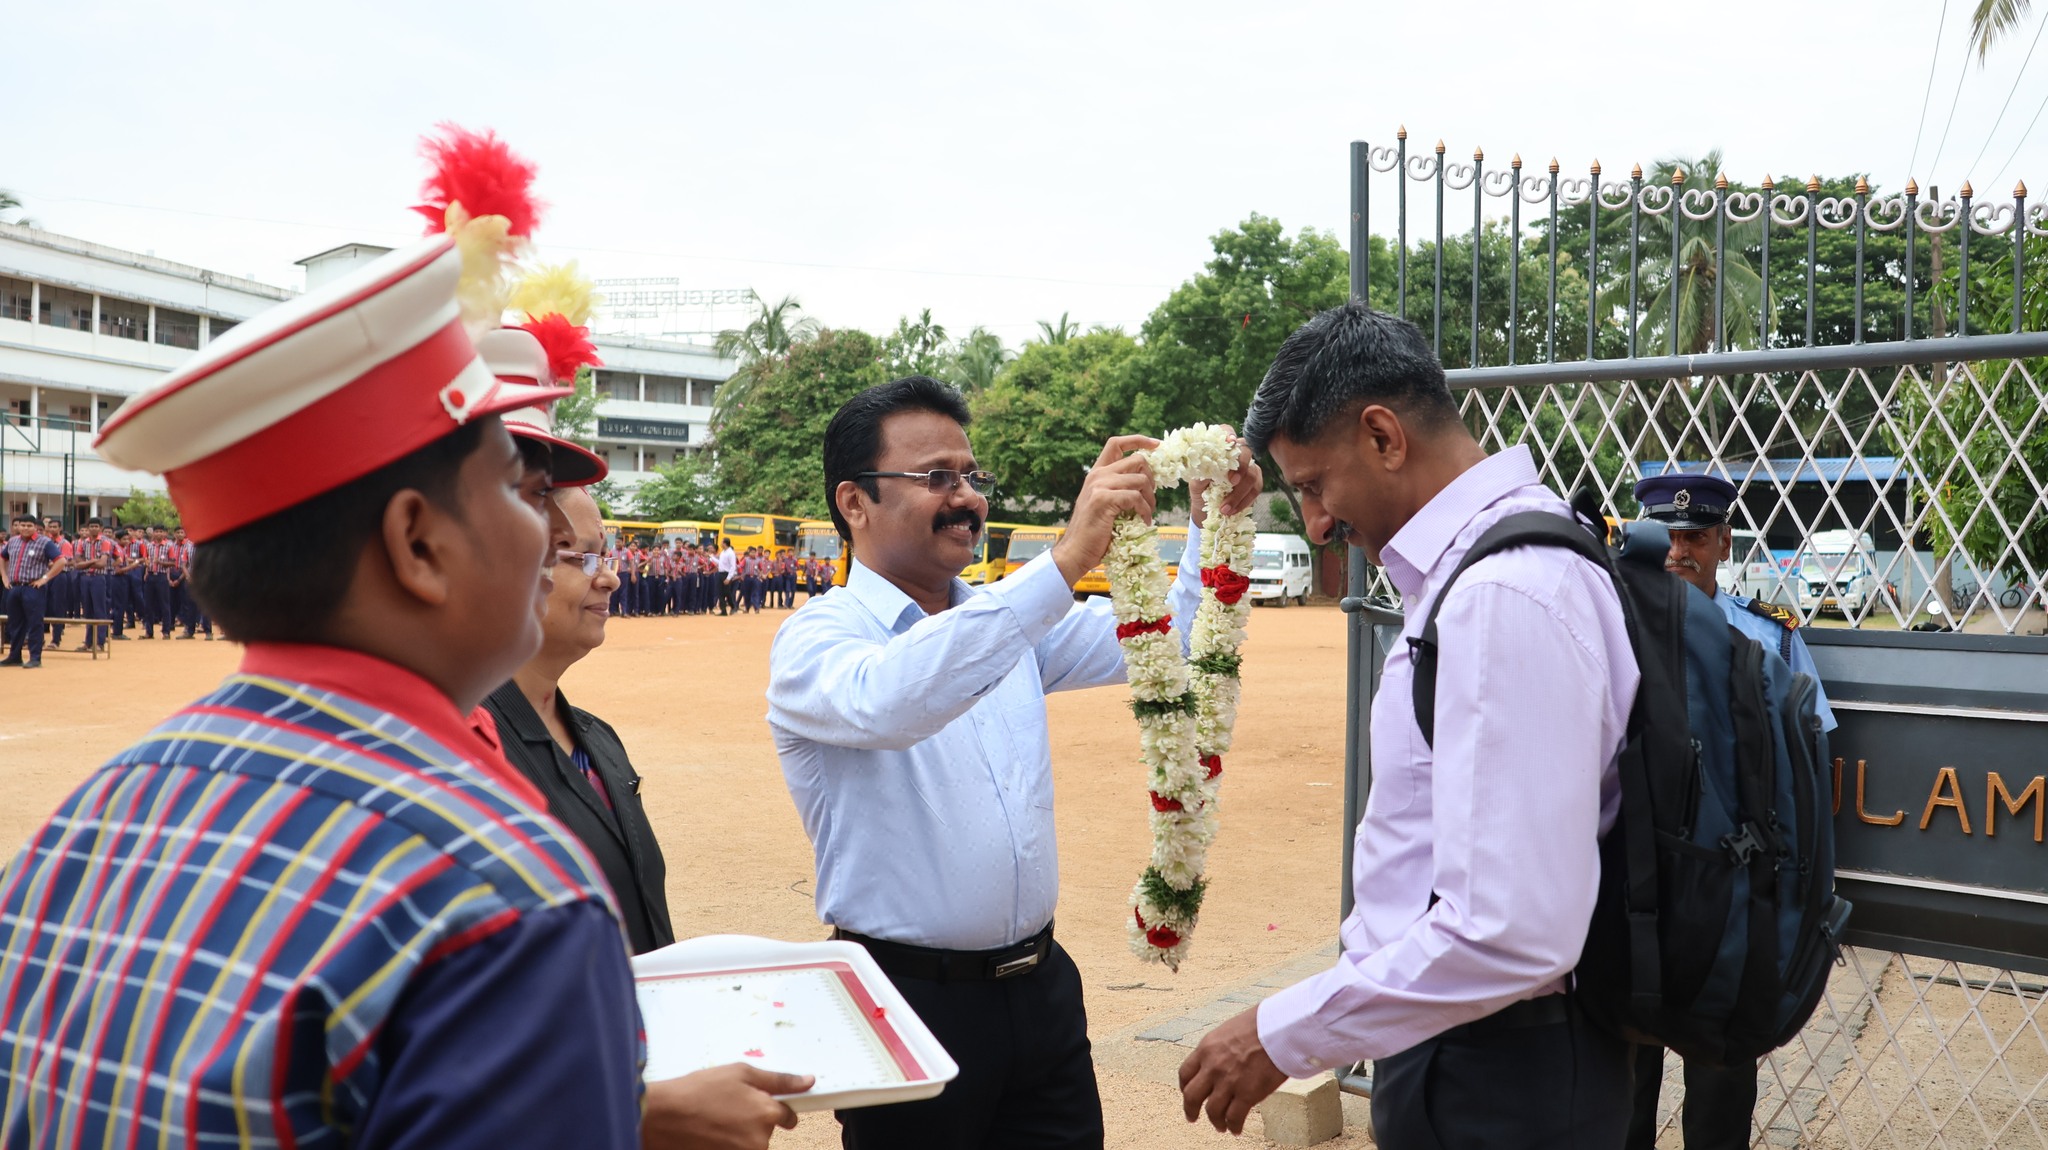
column 820, row 1008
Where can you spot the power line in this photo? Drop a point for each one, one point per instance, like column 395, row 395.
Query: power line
column 2022, row 141
column 1954, row 102
column 1933, row 57
column 2009, row 95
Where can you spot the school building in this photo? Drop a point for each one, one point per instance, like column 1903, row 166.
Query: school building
column 84, row 326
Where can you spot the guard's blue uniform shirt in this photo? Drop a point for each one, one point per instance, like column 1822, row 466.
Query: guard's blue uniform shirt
column 1775, row 636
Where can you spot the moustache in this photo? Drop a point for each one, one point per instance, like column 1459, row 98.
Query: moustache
column 1685, row 564
column 945, row 519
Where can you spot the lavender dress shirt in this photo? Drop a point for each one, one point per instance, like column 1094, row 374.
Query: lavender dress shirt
column 1535, row 680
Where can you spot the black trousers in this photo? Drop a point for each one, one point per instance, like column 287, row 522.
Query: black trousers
column 1026, row 1076
column 25, row 605
column 1560, row 1085
column 1718, row 1104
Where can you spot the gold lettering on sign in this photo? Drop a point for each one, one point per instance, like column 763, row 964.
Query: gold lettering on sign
column 1946, row 781
column 1995, row 793
column 1863, row 812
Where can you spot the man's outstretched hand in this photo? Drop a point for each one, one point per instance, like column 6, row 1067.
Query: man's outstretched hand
column 1229, row 1071
column 1119, row 483
column 728, row 1107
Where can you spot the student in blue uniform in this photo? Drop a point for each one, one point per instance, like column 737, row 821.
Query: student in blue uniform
column 92, row 557
column 1695, row 509
column 28, row 562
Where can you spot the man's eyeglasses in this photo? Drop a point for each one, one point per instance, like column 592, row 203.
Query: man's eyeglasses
column 591, row 561
column 940, row 482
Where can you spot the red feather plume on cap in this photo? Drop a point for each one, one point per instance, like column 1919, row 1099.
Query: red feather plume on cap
column 479, row 171
column 567, row 345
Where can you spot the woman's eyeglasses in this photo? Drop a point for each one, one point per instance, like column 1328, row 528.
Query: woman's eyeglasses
column 940, row 482
column 591, row 561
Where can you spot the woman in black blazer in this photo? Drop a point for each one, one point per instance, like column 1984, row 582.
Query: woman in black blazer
column 574, row 757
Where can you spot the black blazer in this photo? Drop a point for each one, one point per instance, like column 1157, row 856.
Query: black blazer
column 619, row 839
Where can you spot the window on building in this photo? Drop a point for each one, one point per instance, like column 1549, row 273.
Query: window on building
column 219, row 327
column 17, row 300
column 124, row 318
column 65, row 308
column 625, row 385
column 177, row 328
column 663, row 390
column 703, row 391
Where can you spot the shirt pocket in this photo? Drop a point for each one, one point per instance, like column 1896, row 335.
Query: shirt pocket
column 1398, row 752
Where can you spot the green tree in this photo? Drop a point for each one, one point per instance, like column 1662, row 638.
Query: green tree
column 916, row 347
column 976, row 361
column 769, row 447
column 146, row 508
column 10, row 202
column 1057, row 333
column 771, row 335
column 685, row 489
column 1992, row 473
column 576, row 415
column 606, row 492
column 1992, row 19
column 1044, row 420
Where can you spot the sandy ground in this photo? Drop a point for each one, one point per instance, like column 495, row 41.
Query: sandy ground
column 687, row 697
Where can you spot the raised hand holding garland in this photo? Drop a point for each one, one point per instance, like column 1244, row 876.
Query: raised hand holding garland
column 1185, row 706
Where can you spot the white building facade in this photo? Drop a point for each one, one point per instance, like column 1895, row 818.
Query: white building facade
column 84, row 326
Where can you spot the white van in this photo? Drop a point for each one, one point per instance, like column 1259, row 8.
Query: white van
column 1837, row 572
column 1281, row 569
column 1755, row 573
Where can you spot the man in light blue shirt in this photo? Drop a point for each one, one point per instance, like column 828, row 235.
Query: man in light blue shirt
column 909, row 714
column 1695, row 509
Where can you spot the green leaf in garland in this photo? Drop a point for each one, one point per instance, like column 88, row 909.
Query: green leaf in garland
column 1169, row 898
column 1221, row 664
column 1181, row 704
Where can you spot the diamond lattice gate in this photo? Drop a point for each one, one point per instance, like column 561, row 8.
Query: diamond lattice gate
column 1894, row 494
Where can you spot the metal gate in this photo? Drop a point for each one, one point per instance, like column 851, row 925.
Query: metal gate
column 1869, row 370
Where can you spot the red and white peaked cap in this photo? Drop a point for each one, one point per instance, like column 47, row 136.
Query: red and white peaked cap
column 314, row 393
column 516, row 358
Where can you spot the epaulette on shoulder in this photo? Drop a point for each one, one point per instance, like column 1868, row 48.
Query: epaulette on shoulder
column 1775, row 614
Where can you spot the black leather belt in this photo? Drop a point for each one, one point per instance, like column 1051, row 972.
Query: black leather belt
column 901, row 960
column 1546, row 1010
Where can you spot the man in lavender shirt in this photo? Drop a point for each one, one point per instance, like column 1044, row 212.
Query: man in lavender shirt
column 1476, row 863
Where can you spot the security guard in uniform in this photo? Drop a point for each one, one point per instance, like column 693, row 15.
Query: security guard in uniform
column 1695, row 509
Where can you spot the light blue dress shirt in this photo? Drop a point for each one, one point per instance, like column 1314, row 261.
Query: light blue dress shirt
column 916, row 749
column 1775, row 636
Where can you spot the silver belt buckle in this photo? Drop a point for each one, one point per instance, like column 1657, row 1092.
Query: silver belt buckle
column 1017, row 965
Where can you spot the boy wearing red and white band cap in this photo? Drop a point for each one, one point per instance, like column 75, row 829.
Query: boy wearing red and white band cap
column 313, row 908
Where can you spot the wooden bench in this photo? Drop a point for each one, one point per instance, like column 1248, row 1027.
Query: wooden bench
column 72, row 622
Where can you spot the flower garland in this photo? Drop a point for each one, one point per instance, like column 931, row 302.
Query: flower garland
column 1185, row 706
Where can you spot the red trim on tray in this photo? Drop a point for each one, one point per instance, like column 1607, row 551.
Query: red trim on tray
column 870, row 1012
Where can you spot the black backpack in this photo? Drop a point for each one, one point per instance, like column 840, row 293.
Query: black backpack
column 1716, row 920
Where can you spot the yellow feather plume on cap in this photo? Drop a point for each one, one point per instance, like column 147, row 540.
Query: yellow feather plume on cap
column 488, row 254
column 556, row 289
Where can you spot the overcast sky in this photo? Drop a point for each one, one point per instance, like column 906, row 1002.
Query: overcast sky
column 998, row 164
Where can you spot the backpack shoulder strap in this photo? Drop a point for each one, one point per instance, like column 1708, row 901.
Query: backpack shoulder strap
column 1522, row 529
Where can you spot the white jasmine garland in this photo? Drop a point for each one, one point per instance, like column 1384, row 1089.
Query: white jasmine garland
column 1185, row 712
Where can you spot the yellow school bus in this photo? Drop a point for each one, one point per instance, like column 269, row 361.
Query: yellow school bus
column 818, row 539
column 1172, row 541
column 991, row 553
column 689, row 531
column 1028, row 543
column 776, row 533
column 618, row 533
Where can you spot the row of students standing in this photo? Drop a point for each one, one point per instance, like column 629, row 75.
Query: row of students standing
column 130, row 577
column 685, row 579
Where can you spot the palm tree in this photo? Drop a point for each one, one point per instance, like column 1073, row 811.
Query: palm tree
column 10, row 202
column 766, row 338
column 978, row 360
column 1697, row 271
column 1060, row 333
column 1993, row 19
